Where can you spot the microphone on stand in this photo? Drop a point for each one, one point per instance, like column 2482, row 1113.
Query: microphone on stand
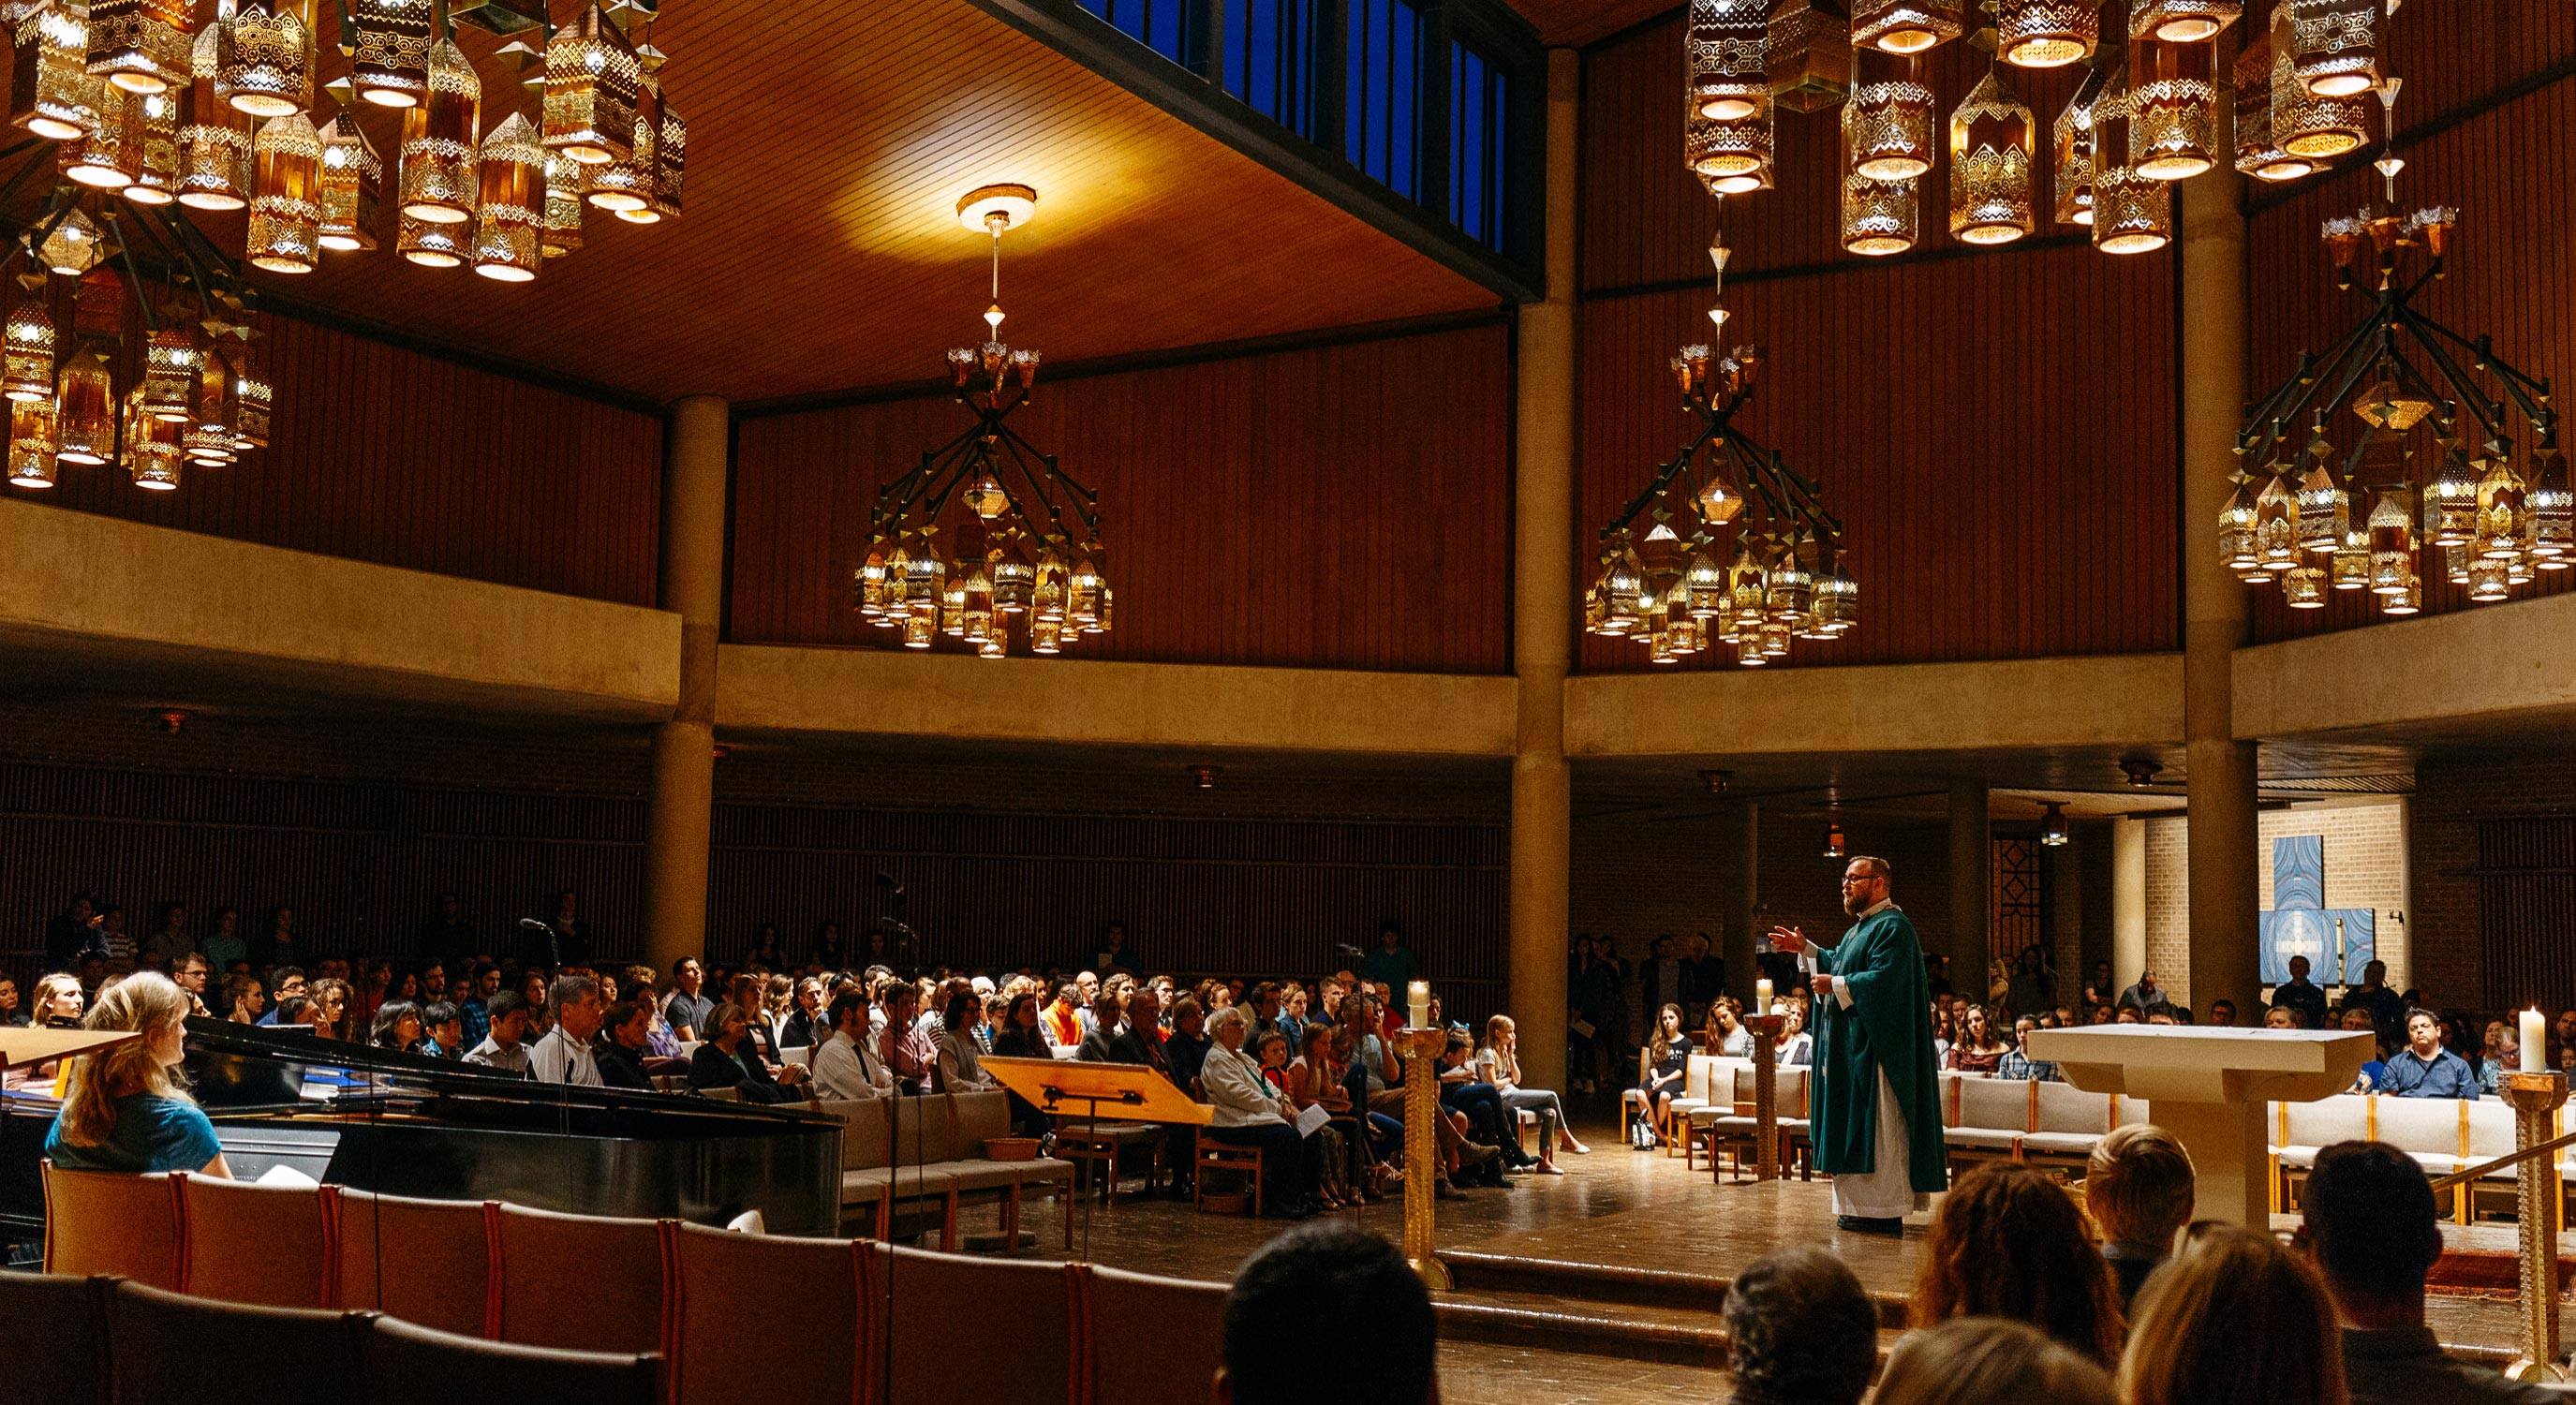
column 554, row 947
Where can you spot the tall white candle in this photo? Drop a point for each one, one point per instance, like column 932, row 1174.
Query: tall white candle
column 2535, row 1042
column 1418, row 995
column 1762, row 997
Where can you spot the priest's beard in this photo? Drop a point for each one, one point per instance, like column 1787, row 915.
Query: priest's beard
column 1855, row 904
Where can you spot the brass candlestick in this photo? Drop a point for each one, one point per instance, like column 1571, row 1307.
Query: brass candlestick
column 1766, row 1100
column 2535, row 1097
column 1421, row 1050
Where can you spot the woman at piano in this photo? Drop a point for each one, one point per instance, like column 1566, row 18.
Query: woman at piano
column 727, row 1061
column 124, row 1108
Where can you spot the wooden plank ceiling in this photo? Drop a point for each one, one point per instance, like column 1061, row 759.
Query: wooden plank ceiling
column 1581, row 22
column 828, row 146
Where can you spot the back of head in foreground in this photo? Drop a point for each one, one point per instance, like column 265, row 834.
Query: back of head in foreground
column 2009, row 1242
column 1327, row 1287
column 2236, row 1317
column 2369, row 1224
column 1989, row 1361
column 1800, row 1330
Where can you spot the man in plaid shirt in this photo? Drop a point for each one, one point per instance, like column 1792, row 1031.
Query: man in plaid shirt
column 2018, row 1063
column 475, row 1007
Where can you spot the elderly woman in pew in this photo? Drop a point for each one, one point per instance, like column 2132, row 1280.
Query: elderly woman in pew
column 124, row 1108
column 727, row 1061
column 1250, row 1113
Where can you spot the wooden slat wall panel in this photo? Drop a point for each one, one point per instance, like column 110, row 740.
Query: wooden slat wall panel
column 1997, row 434
column 2526, row 884
column 387, row 456
column 1340, row 507
column 2510, row 172
column 1200, row 895
column 1646, row 220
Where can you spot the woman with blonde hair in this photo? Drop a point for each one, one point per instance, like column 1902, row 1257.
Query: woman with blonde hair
column 2008, row 1242
column 123, row 1107
column 1499, row 1064
column 1989, row 1361
column 2235, row 1318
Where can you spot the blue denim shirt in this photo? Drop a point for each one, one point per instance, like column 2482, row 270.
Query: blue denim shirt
column 2445, row 1075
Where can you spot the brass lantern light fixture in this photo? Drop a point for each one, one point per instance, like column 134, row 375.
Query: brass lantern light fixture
column 1991, row 143
column 988, row 534
column 2046, row 33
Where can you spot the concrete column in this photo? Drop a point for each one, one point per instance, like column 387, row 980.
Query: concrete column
column 684, row 758
column 2221, row 820
column 1543, row 611
column 1972, row 877
column 1740, row 888
column 2128, row 901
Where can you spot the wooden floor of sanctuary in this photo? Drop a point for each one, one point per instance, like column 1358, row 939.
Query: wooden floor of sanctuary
column 1605, row 1284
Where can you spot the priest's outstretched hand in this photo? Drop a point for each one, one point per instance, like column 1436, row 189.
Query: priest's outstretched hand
column 1789, row 939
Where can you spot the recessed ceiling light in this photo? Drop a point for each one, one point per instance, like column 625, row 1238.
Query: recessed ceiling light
column 1016, row 204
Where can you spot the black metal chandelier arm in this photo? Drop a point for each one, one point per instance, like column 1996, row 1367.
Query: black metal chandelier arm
column 1072, row 484
column 2466, row 389
column 2472, row 395
column 133, row 276
column 1037, row 486
column 2342, row 366
column 2525, row 390
column 1711, row 426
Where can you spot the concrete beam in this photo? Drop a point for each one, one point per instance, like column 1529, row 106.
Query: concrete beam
column 1078, row 702
column 2487, row 661
column 2112, row 700
column 85, row 598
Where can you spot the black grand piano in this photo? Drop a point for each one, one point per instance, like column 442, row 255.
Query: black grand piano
column 400, row 1124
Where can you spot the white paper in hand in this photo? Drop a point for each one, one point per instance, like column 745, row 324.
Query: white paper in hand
column 1313, row 1117
column 283, row 1174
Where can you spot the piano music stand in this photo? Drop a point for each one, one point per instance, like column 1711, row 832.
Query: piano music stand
column 1127, row 1092
column 27, row 1046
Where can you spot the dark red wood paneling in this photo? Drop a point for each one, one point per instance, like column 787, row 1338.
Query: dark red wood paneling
column 2510, row 171
column 384, row 455
column 1997, row 434
column 1338, row 507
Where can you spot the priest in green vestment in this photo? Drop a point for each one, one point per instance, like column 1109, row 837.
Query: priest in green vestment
column 1874, row 1099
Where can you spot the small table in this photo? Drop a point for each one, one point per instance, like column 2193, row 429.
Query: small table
column 2208, row 1087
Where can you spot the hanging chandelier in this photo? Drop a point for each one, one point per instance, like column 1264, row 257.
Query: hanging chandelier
column 2432, row 466
column 1026, row 543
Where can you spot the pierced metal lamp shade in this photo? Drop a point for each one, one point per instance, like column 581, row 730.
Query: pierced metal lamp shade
column 565, row 178
column 2257, row 153
column 1809, row 53
column 85, row 409
column 170, row 366
column 2047, row 33
column 286, row 195
column 510, row 220
column 99, row 157
column 2553, row 510
column 74, row 248
column 1727, row 154
column 214, row 139
column 151, row 447
column 1990, row 175
column 2172, row 133
column 1728, row 48
column 264, row 59
column 51, row 91
column 1879, row 217
column 140, row 46
column 2392, row 543
column 1887, row 130
column 439, row 135
column 433, row 245
column 2335, row 45
column 251, row 401
column 2132, row 214
column 2074, row 138
column 2451, row 502
column 591, row 81
column 624, row 187
column 2181, row 21
column 152, row 142
column 27, row 352
column 352, row 179
column 209, row 435
column 2325, row 511
column 1904, row 26
column 31, row 443
column 391, row 64
column 670, row 161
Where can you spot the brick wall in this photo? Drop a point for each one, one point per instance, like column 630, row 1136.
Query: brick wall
column 2454, row 794
column 2366, row 856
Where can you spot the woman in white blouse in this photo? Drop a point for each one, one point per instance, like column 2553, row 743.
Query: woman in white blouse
column 1249, row 1112
column 961, row 1066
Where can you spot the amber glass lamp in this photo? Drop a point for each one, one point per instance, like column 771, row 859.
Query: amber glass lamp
column 85, row 414
column 432, row 245
column 2046, row 33
column 439, row 182
column 1904, row 26
column 27, row 351
column 140, row 46
column 2175, row 106
column 51, row 91
column 1887, row 130
column 286, row 195
column 565, row 178
column 592, row 78
column 170, row 367
column 2258, row 153
column 352, row 177
column 265, row 63
column 2335, row 45
column 31, row 443
column 1809, row 53
column 1991, row 141
column 214, row 140
column 151, row 446
column 390, row 64
column 510, row 221
column 152, row 145
column 2181, row 21
column 624, row 187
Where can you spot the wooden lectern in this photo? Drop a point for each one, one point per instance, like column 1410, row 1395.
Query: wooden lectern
column 1098, row 1092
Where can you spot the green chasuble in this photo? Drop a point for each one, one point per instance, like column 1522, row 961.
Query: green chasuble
column 1889, row 1026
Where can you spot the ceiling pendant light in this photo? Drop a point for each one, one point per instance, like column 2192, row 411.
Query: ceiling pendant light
column 151, row 446
column 2052, row 827
column 391, row 63
column 1903, row 26
column 31, row 443
column 2306, row 123
column 1809, row 54
column 1887, row 130
column 2181, row 21
column 564, row 180
column 27, row 348
column 1879, row 217
column 140, row 46
column 2175, row 110
column 2335, row 45
column 98, row 158
column 624, row 187
column 439, row 183
column 51, row 92
column 670, row 155
column 265, row 65
column 1991, row 143
column 432, row 244
column 2075, row 141
column 510, row 219
column 85, row 410
column 2258, row 153
column 152, row 145
column 208, row 438
column 351, row 184
column 214, row 143
column 2132, row 214
column 592, row 76
column 74, row 247
column 170, row 366
column 1728, row 50
column 1731, row 158
column 286, row 197
column 2047, row 33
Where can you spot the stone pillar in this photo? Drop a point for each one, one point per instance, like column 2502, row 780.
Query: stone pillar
column 684, row 759
column 2221, row 821
column 1543, row 612
column 1739, row 868
column 2128, row 902
column 1972, row 877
